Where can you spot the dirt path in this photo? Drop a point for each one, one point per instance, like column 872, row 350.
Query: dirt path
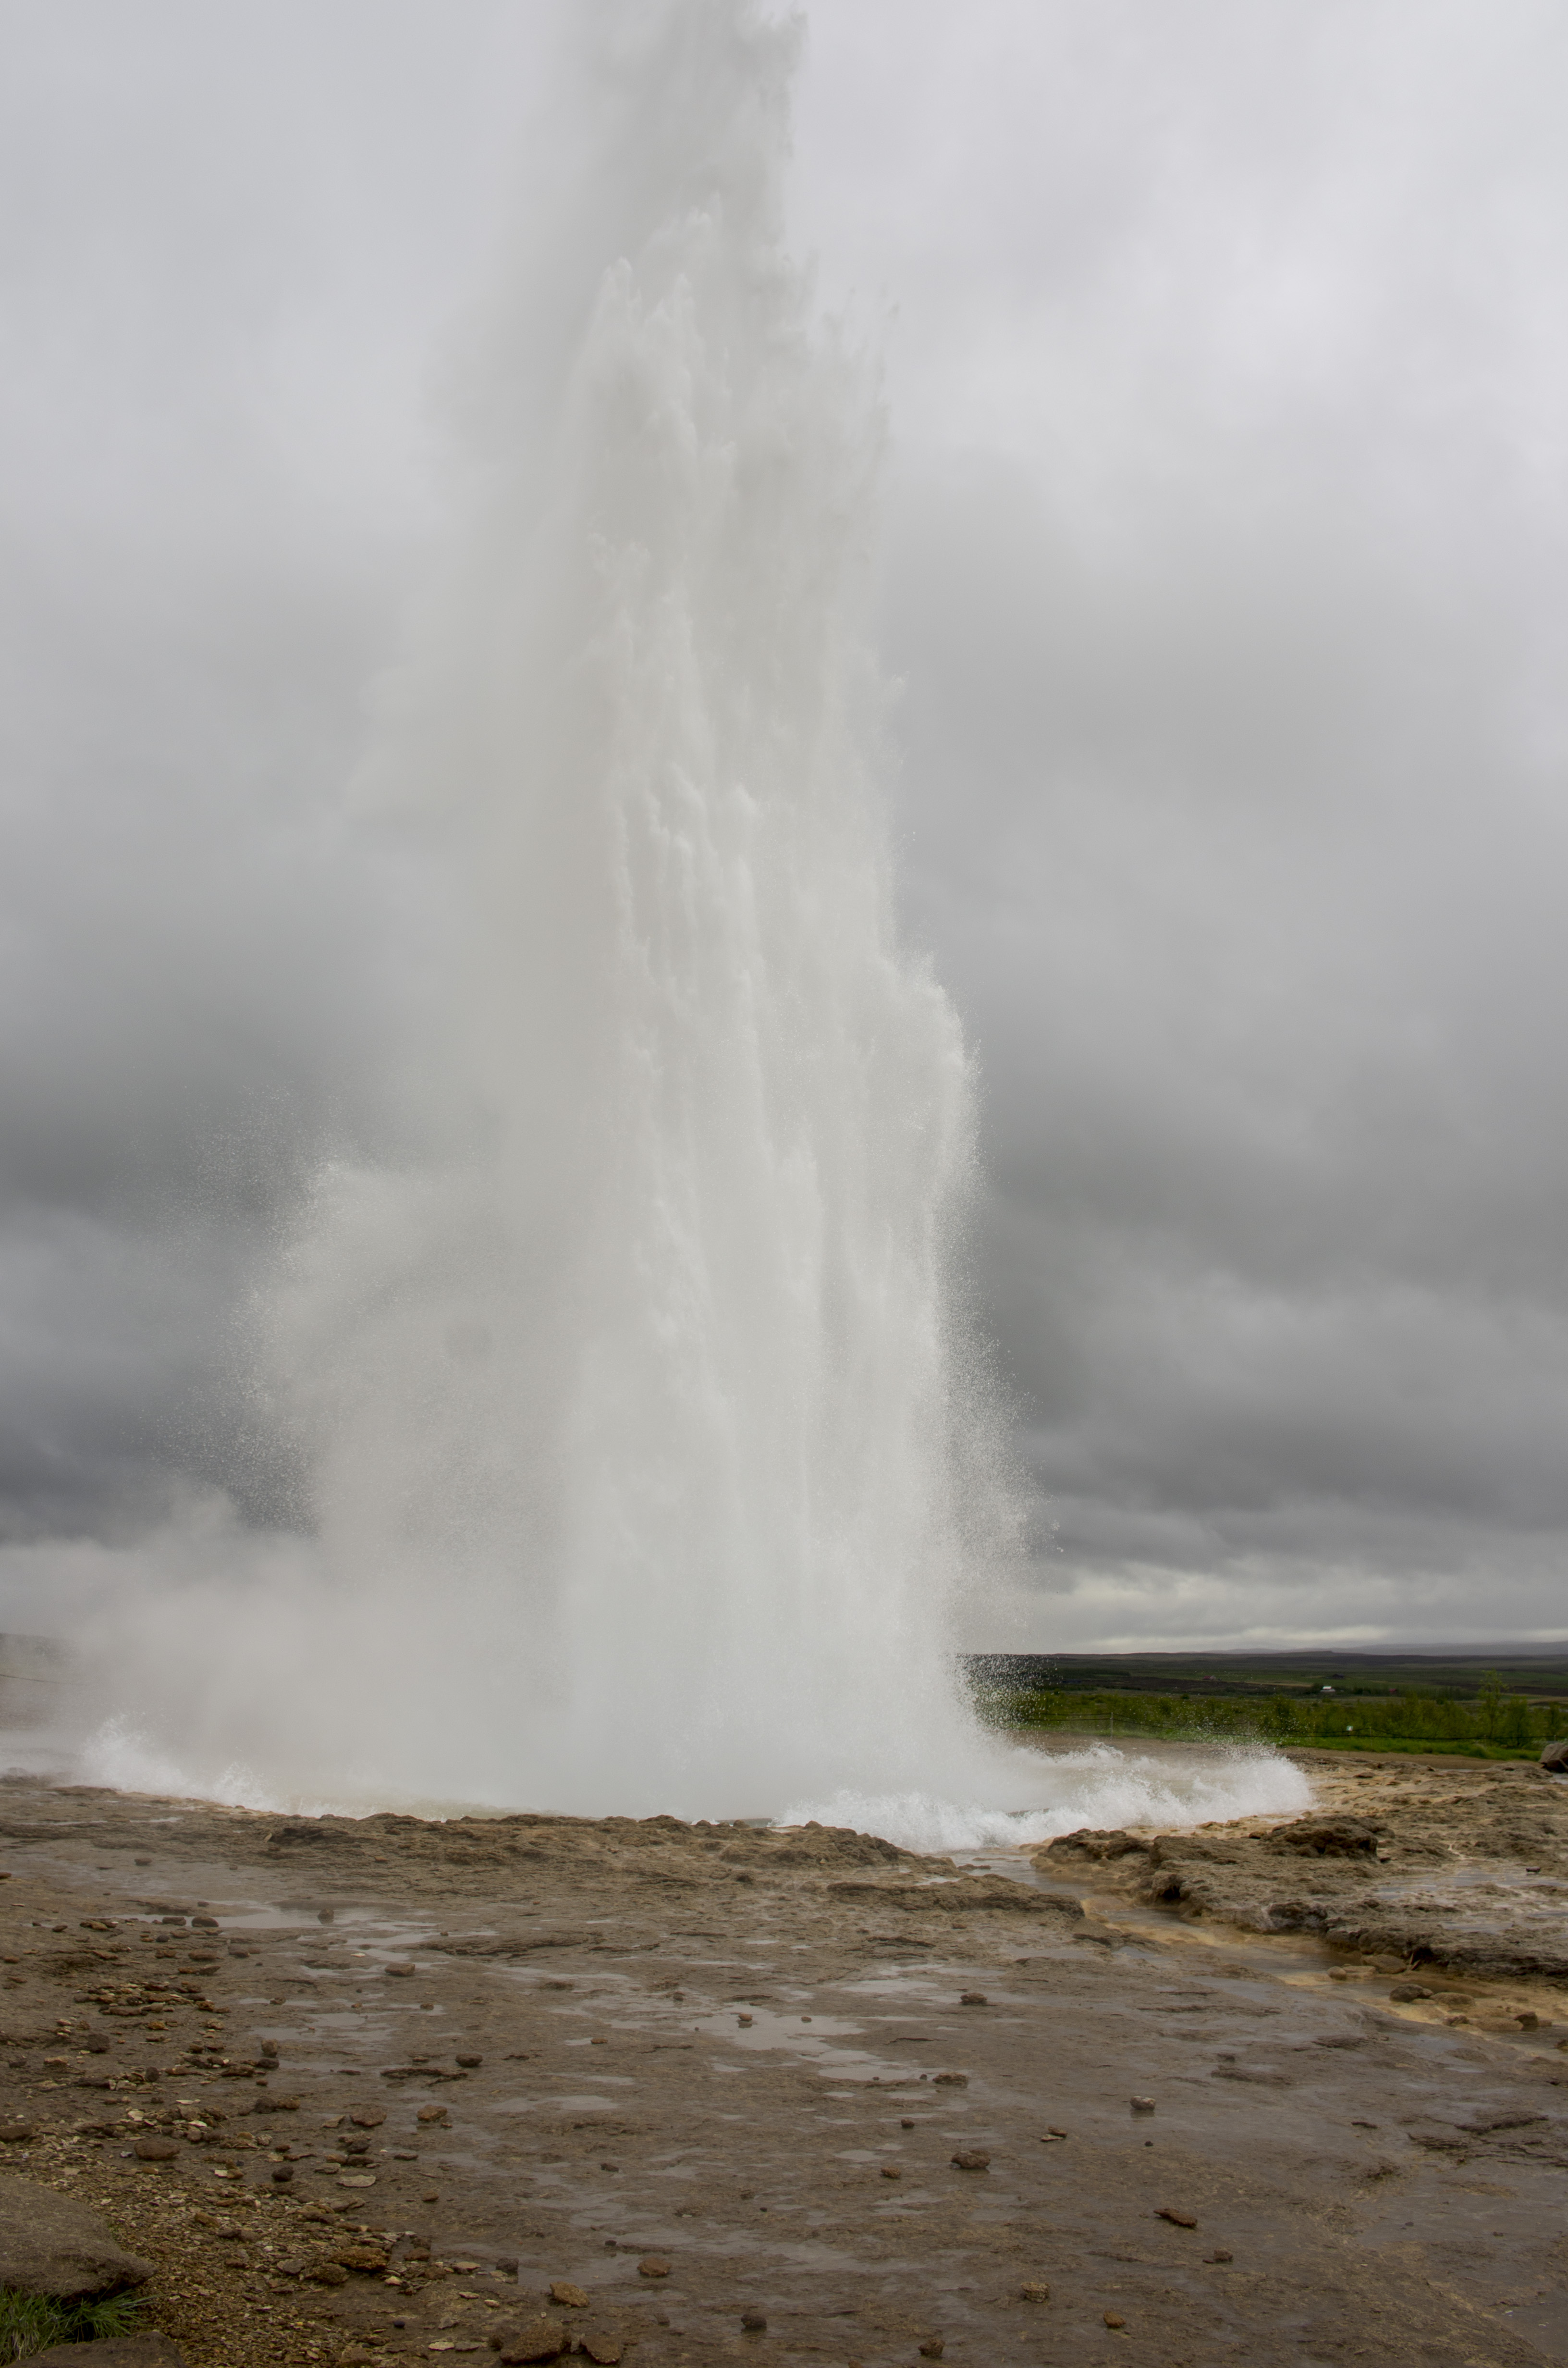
column 520, row 2050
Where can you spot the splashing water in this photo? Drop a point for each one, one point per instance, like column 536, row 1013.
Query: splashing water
column 647, row 1455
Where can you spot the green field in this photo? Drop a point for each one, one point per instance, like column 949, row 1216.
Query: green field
column 1446, row 1702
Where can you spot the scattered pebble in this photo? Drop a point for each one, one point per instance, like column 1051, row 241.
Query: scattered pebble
column 1114, row 2318
column 1406, row 1993
column 744, row 2022
column 1178, row 2219
column 970, row 2158
column 1142, row 2104
column 932, row 2348
column 653, row 2265
column 890, row 2170
column 907, row 2123
column 1219, row 2257
column 470, row 2063
column 366, row 2117
column 973, row 1997
column 432, row 2114
column 754, row 2321
column 154, row 2149
column 1035, row 2291
column 400, row 1972
column 570, row 2297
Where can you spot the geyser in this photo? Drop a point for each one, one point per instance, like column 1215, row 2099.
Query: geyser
column 645, row 1456
column 645, row 1453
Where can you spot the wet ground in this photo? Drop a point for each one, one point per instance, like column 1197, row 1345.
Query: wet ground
column 407, row 2075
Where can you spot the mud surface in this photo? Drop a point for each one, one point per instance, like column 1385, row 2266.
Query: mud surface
column 408, row 2076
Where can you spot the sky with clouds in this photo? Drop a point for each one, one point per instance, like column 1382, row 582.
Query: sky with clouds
column 1224, row 582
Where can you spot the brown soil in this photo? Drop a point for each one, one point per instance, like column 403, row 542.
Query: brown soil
column 749, row 2056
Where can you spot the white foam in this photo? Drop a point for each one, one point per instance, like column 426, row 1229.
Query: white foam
column 1099, row 1786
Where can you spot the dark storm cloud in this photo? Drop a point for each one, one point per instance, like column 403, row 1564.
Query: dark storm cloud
column 1226, row 585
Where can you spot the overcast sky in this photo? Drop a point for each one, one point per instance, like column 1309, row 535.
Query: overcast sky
column 1228, row 367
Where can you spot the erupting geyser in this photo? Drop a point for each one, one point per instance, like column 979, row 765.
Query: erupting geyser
column 646, row 1454
column 649, row 1395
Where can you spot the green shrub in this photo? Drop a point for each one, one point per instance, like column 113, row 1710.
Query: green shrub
column 33, row 2322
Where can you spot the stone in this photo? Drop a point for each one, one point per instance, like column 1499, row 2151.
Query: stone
column 653, row 2265
column 973, row 1997
column 970, row 2158
column 154, row 2150
column 1329, row 1837
column 282, row 2173
column 754, row 2321
column 470, row 2063
column 147, row 2351
column 1035, row 2291
column 14, row 2133
column 366, row 2117
column 400, row 1972
column 542, row 2339
column 1114, row 2318
column 571, row 2297
column 1142, row 2104
column 370, row 2259
column 890, row 2170
column 432, row 2114
column 1554, row 1757
column 950, row 2080
column 933, row 2348
column 52, row 2245
column 1178, row 2219
column 603, row 2350
column 1219, row 2257
column 1405, row 1993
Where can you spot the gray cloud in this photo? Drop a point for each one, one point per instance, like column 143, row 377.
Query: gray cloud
column 1226, row 573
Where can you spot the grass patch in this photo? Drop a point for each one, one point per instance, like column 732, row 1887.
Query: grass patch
column 1492, row 1726
column 33, row 2323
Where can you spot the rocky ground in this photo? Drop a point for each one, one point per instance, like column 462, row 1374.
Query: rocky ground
column 362, row 2090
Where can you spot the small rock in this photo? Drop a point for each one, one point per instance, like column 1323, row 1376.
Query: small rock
column 907, row 2123
column 973, row 1997
column 366, row 2117
column 542, row 2339
column 653, row 2265
column 572, row 2297
column 1178, row 2219
column 970, row 2158
column 933, row 2348
column 1036, row 2291
column 1554, row 1757
column 154, row 2149
column 470, row 2063
column 604, row 2351
column 14, row 2133
column 1219, row 2257
column 744, row 2022
column 432, row 2114
column 754, row 2321
column 890, row 2170
column 1114, row 2318
column 282, row 2172
column 1142, row 2104
column 1527, row 2021
column 1405, row 1993
column 400, row 1972
column 949, row 2081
